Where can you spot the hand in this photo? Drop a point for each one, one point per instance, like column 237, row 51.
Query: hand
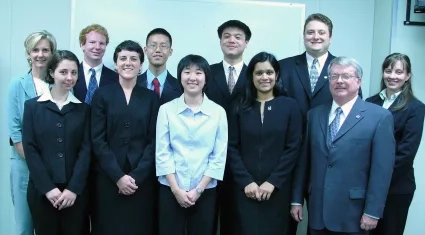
column 297, row 212
column 53, row 195
column 252, row 191
column 266, row 190
column 66, row 199
column 193, row 195
column 183, row 198
column 20, row 149
column 127, row 185
column 368, row 223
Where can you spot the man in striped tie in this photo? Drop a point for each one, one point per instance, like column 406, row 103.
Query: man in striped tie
column 92, row 72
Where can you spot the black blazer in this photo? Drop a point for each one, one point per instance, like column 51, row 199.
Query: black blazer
column 267, row 151
column 217, row 89
column 408, row 127
column 124, row 133
column 107, row 77
column 57, row 144
column 172, row 88
column 296, row 82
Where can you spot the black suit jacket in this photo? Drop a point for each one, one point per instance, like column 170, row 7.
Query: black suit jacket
column 267, row 151
column 57, row 144
column 172, row 88
column 408, row 127
column 217, row 89
column 296, row 82
column 124, row 133
column 80, row 89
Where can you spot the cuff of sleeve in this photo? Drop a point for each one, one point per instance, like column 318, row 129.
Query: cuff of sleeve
column 16, row 139
column 215, row 174
column 160, row 171
column 373, row 217
column 296, row 204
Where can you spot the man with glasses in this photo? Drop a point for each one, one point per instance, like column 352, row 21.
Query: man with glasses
column 157, row 78
column 347, row 158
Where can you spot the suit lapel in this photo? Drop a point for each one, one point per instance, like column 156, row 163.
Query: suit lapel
column 142, row 80
column 220, row 79
column 302, row 70
column 240, row 84
column 28, row 85
column 323, row 78
column 324, row 120
column 81, row 82
column 354, row 117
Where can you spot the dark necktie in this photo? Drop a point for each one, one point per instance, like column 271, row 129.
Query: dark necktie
column 92, row 87
column 231, row 81
column 334, row 126
column 156, row 86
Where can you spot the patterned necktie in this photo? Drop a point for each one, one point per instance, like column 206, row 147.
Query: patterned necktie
column 334, row 126
column 92, row 87
column 231, row 79
column 156, row 86
column 314, row 75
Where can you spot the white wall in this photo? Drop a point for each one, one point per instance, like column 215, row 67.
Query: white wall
column 362, row 29
column 410, row 40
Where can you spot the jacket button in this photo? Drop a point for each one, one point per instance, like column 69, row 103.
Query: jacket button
column 127, row 124
column 60, row 155
column 59, row 125
column 60, row 140
column 330, row 166
column 126, row 141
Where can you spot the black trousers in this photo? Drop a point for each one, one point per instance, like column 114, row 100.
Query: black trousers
column 327, row 232
column 51, row 221
column 225, row 207
column 395, row 215
column 195, row 220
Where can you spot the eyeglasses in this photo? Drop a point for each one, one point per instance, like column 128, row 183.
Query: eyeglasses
column 162, row 47
column 344, row 76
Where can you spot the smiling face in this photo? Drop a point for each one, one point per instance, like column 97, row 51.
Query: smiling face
column 65, row 75
column 264, row 78
column 233, row 42
column 346, row 85
column 316, row 38
column 395, row 76
column 40, row 54
column 128, row 64
column 158, row 49
column 193, row 80
column 95, row 46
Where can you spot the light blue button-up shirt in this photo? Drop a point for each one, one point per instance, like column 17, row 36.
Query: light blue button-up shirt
column 161, row 78
column 191, row 143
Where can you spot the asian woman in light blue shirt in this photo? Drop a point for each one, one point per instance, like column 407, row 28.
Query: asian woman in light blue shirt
column 191, row 148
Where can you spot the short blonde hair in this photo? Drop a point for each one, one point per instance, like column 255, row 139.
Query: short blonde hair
column 93, row 27
column 34, row 38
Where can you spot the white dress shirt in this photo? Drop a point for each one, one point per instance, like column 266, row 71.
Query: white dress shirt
column 191, row 143
column 48, row 96
column 41, row 86
column 236, row 72
column 388, row 101
column 346, row 108
column 87, row 73
column 320, row 62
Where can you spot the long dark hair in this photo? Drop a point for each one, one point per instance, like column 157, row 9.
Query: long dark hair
column 406, row 90
column 249, row 97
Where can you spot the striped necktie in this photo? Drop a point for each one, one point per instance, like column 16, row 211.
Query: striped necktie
column 92, row 87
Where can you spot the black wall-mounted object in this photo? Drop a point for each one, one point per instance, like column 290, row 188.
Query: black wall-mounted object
column 419, row 8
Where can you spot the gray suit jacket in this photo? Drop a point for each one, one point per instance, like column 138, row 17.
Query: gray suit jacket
column 350, row 177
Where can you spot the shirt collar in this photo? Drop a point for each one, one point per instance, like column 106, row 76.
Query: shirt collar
column 206, row 107
column 87, row 67
column 238, row 67
column 346, row 108
column 47, row 96
column 161, row 78
column 383, row 95
column 322, row 59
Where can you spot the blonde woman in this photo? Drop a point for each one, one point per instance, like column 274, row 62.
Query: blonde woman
column 39, row 47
